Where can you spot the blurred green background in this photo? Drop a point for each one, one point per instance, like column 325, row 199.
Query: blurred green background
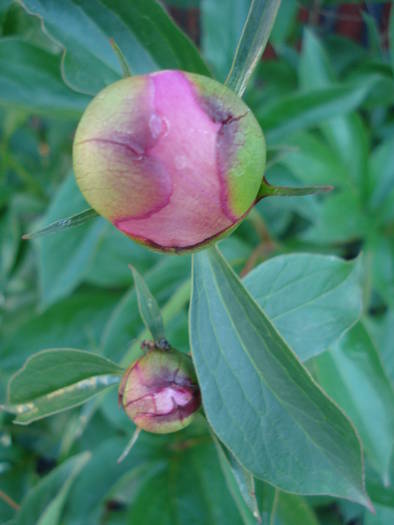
column 323, row 94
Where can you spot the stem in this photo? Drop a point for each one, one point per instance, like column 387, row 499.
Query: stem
column 252, row 42
column 130, row 445
column 274, row 506
column 122, row 59
column 174, row 305
column 9, row 500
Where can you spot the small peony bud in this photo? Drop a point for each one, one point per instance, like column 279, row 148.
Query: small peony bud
column 174, row 160
column 159, row 392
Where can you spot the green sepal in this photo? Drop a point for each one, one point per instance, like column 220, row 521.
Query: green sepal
column 268, row 190
column 63, row 224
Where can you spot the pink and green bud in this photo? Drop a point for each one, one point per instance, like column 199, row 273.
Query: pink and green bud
column 172, row 159
column 159, row 392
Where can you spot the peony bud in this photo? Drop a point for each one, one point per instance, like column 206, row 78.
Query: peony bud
column 159, row 392
column 172, row 159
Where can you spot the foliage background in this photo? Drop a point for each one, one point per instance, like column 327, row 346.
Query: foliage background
column 324, row 97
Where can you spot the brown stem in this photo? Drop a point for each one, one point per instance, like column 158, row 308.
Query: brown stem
column 9, row 500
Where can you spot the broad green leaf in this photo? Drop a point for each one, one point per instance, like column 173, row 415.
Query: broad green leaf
column 4, row 5
column 385, row 346
column 284, row 22
column 148, row 307
column 383, row 495
column 348, row 137
column 373, row 34
column 381, row 256
column 75, row 322
column 305, row 109
column 256, row 393
column 30, row 80
column 240, row 483
column 56, row 380
column 311, row 299
column 116, row 251
column 281, row 508
column 252, row 42
column 142, row 29
column 315, row 69
column 44, row 503
column 53, row 512
column 334, row 226
column 221, row 26
column 346, row 133
column 86, row 504
column 313, row 161
column 9, row 244
column 382, row 516
column 381, row 181
column 190, row 489
column 352, row 374
column 64, row 258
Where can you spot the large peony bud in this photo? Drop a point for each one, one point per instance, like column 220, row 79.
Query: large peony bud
column 159, row 392
column 172, row 159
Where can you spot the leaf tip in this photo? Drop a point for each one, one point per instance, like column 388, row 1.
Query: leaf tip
column 368, row 503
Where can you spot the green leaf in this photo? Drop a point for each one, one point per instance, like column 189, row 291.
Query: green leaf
column 381, row 181
column 124, row 325
column 352, row 374
column 86, row 504
column 391, row 38
column 284, row 23
column 148, row 307
column 346, row 133
column 53, row 512
column 77, row 321
column 240, row 483
column 381, row 494
column 311, row 299
column 142, row 29
column 256, row 393
column 281, row 508
column 385, row 344
column 304, row 109
column 221, row 26
column 381, row 252
column 382, row 516
column 334, row 226
column 30, row 80
column 64, row 258
column 44, row 503
column 251, row 45
column 9, row 244
column 190, row 489
column 116, row 251
column 313, row 161
column 171, row 309
column 56, row 380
